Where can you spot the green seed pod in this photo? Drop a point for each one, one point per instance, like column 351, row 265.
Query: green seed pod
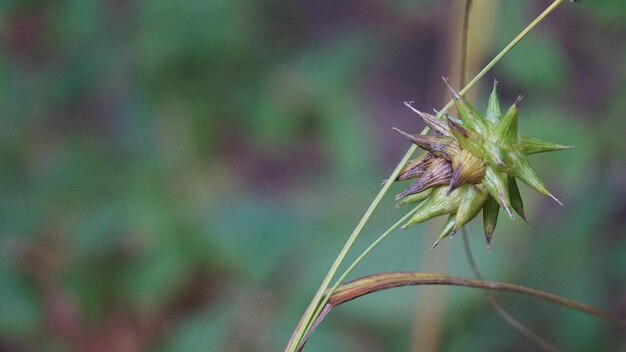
column 467, row 138
column 497, row 186
column 469, row 116
column 472, row 165
column 530, row 145
column 490, row 219
column 414, row 198
column 520, row 168
column 494, row 155
column 505, row 132
column 468, row 169
column 474, row 197
column 493, row 106
column 448, row 229
column 439, row 203
column 516, row 198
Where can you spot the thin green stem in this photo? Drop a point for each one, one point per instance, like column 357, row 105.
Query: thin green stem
column 315, row 306
column 465, row 43
column 357, row 261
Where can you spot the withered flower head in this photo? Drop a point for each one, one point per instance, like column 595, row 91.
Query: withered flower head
column 472, row 164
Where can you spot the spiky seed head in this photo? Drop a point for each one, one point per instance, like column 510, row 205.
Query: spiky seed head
column 472, row 165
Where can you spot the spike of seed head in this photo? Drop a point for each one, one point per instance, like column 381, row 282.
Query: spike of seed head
column 475, row 163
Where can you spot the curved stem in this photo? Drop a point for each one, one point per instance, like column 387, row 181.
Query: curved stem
column 385, row 281
column 505, row 314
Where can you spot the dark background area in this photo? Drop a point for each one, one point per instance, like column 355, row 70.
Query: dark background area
column 179, row 175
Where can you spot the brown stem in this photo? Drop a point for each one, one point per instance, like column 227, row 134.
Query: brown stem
column 384, row 281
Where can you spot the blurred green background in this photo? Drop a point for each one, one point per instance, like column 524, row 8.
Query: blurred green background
column 179, row 175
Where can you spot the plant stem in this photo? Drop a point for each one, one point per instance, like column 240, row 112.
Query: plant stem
column 508, row 317
column 465, row 43
column 316, row 304
column 354, row 264
column 384, row 281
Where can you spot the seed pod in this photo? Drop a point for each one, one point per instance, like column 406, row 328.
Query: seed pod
column 416, row 167
column 467, row 138
column 516, row 198
column 442, row 147
column 490, row 219
column 506, row 131
column 494, row 155
column 493, row 106
column 414, row 198
column 530, row 145
column 438, row 174
column 470, row 117
column 448, row 229
column 497, row 186
column 520, row 168
column 431, row 121
column 466, row 169
column 473, row 199
column 439, row 203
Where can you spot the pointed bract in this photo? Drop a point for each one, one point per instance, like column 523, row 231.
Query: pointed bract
column 431, row 121
column 467, row 139
column 470, row 117
column 506, row 130
column 530, row 145
column 497, row 186
column 439, row 203
column 448, row 229
column 414, row 198
column 416, row 167
column 442, row 147
column 439, row 173
column 490, row 219
column 472, row 201
column 493, row 106
column 520, row 168
column 516, row 198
